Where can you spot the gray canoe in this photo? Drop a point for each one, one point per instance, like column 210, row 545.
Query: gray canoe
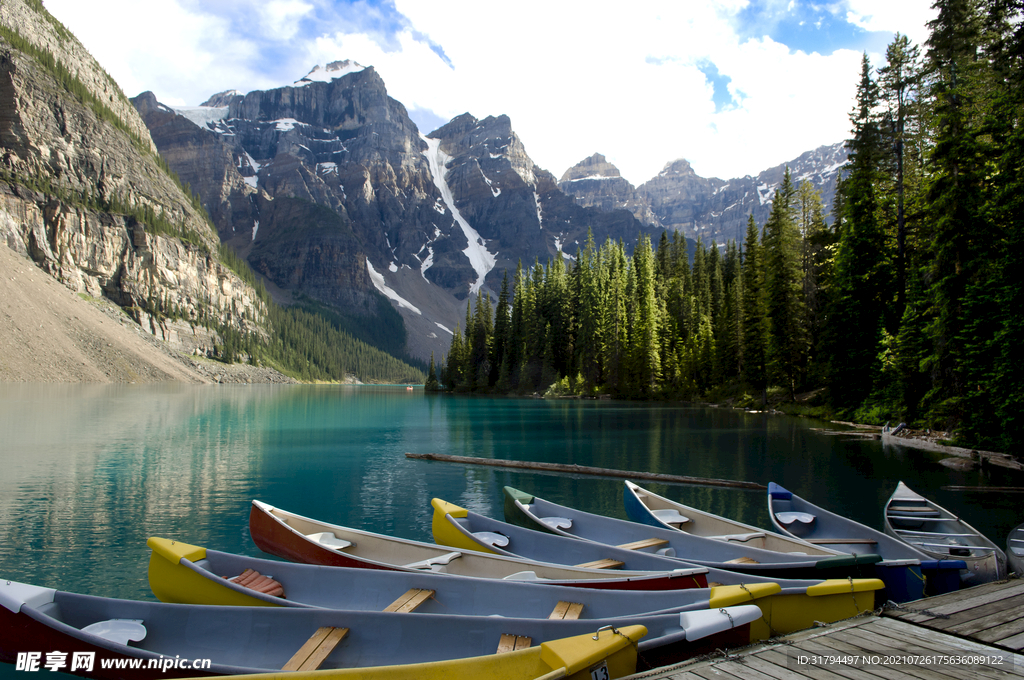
column 1015, row 550
column 238, row 640
column 937, row 532
column 187, row 574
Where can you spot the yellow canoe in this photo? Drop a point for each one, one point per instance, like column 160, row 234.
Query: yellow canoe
column 607, row 653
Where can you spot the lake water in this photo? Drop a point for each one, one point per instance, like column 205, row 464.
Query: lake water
column 88, row 473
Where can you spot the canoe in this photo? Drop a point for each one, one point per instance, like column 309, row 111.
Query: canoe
column 787, row 605
column 533, row 512
column 1015, row 551
column 132, row 639
column 908, row 573
column 190, row 574
column 647, row 507
column 306, row 540
column 937, row 532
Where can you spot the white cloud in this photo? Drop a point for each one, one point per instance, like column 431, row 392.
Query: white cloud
column 574, row 77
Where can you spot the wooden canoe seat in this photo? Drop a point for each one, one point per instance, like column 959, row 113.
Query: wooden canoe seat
column 670, row 516
column 510, row 643
column 646, row 543
column 916, row 509
column 254, row 580
column 743, row 560
column 605, row 563
column 566, row 610
column 410, row 600
column 317, row 648
column 328, row 540
column 840, row 541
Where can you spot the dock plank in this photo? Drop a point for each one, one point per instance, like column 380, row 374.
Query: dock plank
column 976, row 627
column 959, row 600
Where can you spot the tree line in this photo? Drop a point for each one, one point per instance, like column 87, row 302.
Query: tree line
column 904, row 304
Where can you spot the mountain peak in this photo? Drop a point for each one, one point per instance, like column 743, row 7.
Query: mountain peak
column 679, row 166
column 594, row 167
column 333, row 71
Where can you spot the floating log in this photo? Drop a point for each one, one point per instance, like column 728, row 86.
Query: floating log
column 585, row 470
column 996, row 489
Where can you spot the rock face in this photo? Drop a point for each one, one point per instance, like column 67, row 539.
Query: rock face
column 597, row 183
column 81, row 185
column 712, row 209
column 330, row 192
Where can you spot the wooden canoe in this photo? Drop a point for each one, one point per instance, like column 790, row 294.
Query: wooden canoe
column 302, row 539
column 166, row 640
column 930, row 528
column 909, row 574
column 787, row 605
column 647, row 507
column 536, row 513
column 189, row 574
column 1015, row 551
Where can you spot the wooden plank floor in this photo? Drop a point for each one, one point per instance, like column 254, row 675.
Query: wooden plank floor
column 983, row 625
column 992, row 613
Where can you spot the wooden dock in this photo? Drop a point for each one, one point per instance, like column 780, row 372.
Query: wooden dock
column 972, row 634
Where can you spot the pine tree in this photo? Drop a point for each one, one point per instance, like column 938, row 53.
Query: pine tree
column 788, row 342
column 755, row 314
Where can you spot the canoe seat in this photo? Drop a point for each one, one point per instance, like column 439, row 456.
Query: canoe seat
column 522, row 576
column 118, row 630
column 491, row 538
column 254, row 580
column 557, row 522
column 670, row 516
column 740, row 538
column 566, row 610
column 1019, row 552
column 787, row 518
column 510, row 643
column 917, row 510
column 605, row 563
column 317, row 648
column 743, row 560
column 329, row 540
column 410, row 600
column 645, row 543
column 437, row 563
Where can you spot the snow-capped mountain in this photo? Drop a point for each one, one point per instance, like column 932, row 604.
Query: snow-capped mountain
column 712, row 209
column 331, row 193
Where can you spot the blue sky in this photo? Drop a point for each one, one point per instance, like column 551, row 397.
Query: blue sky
column 734, row 86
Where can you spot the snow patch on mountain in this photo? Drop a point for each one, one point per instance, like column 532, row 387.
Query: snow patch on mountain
column 379, row 284
column 479, row 257
column 202, row 115
column 325, row 74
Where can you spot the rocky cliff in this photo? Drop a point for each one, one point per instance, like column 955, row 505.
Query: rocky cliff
column 85, row 195
column 332, row 193
column 712, row 209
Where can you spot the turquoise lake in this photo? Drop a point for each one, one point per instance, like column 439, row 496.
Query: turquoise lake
column 90, row 472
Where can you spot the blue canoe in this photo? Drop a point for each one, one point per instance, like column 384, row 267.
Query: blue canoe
column 909, row 574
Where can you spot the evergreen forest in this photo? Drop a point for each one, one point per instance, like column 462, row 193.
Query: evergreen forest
column 903, row 304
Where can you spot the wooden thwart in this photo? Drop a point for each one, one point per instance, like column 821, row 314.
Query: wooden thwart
column 566, row 610
column 510, row 643
column 743, row 560
column 606, row 563
column 410, row 600
column 646, row 543
column 317, row 648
